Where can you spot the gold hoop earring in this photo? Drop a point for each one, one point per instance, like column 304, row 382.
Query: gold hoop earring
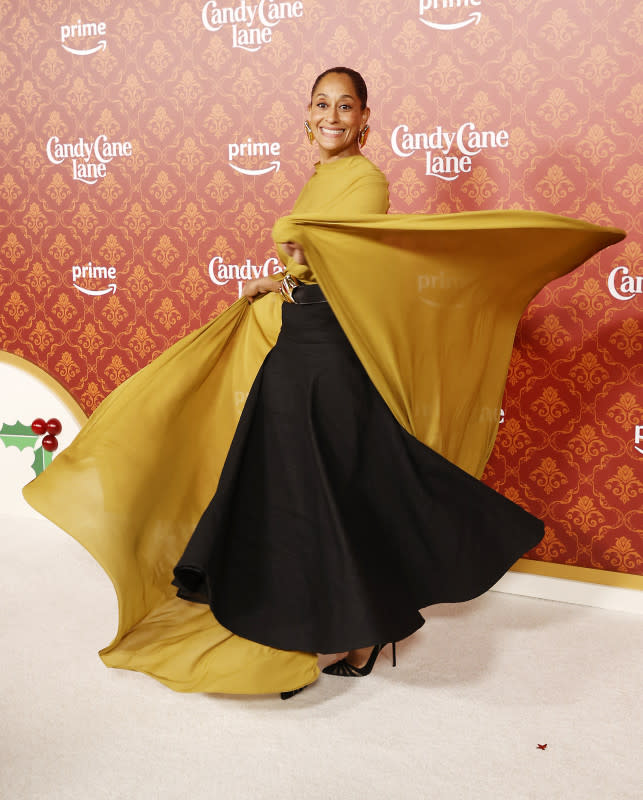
column 309, row 132
column 363, row 136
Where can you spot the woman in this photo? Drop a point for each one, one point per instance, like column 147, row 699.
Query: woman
column 311, row 349
column 344, row 495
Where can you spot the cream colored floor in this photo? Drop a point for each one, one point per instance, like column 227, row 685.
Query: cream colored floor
column 475, row 692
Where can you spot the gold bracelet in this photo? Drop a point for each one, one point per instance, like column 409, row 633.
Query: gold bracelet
column 288, row 285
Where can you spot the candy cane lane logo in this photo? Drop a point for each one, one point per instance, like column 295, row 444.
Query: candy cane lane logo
column 250, row 149
column 82, row 30
column 89, row 158
column 93, row 273
column 251, row 25
column 622, row 285
column 441, row 20
column 440, row 161
column 221, row 273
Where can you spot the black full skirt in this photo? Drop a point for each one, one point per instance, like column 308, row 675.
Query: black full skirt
column 331, row 525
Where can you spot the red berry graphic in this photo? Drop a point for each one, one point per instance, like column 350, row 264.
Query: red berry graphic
column 53, row 426
column 50, row 443
column 39, row 426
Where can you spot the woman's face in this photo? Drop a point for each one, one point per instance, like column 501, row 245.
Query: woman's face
column 336, row 117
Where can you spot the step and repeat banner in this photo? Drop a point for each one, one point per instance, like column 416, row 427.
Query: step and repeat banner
column 146, row 149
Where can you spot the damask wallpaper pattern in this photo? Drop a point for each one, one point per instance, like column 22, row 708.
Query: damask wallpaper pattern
column 147, row 148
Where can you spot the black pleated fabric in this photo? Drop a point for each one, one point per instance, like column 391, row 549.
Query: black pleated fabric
column 331, row 525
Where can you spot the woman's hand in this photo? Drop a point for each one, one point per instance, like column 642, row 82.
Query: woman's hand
column 258, row 287
column 295, row 251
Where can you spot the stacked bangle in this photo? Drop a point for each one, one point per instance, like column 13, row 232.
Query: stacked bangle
column 288, row 285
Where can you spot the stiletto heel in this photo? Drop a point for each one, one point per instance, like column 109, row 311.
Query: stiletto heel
column 348, row 670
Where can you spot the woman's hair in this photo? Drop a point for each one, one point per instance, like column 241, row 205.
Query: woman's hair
column 356, row 78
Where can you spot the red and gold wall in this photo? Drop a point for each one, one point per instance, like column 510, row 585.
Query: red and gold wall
column 146, row 149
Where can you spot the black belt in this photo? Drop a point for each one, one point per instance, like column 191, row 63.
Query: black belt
column 308, row 294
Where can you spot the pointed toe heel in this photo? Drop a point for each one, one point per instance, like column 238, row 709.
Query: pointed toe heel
column 292, row 693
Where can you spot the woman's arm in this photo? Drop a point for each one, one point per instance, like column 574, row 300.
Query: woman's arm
column 260, row 286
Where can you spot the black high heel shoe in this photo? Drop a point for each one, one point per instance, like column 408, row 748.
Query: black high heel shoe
column 347, row 670
column 292, row 693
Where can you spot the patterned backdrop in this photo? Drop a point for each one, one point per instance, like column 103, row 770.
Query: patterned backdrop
column 146, row 149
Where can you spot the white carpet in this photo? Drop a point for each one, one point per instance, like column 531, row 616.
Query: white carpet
column 474, row 693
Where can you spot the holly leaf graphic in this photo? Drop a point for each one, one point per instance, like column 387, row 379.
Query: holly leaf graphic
column 41, row 458
column 18, row 435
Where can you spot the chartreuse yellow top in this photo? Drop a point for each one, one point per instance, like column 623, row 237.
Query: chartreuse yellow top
column 430, row 304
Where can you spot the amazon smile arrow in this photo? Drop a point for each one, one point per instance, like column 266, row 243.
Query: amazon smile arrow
column 100, row 46
column 96, row 292
column 274, row 165
column 476, row 16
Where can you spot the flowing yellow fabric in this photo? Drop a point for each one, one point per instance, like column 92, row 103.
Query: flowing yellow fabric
column 430, row 305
